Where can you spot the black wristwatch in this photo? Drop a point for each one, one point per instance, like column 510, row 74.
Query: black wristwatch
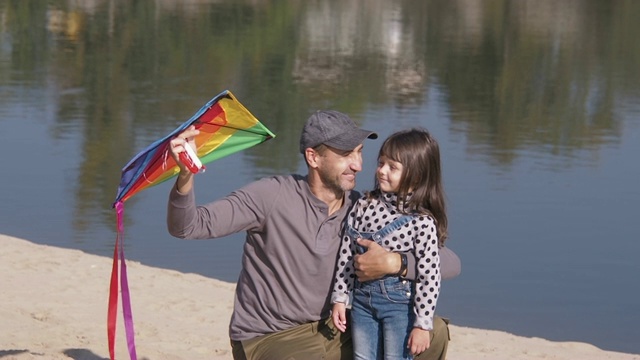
column 403, row 265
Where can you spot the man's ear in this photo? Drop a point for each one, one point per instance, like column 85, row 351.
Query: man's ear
column 312, row 157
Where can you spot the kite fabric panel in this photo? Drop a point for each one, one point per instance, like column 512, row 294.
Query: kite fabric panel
column 226, row 127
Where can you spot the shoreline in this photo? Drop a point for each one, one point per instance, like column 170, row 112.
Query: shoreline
column 54, row 306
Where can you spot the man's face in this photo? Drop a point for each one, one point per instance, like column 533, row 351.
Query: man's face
column 338, row 168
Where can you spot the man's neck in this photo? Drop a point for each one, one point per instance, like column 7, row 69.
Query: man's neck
column 333, row 198
column 335, row 204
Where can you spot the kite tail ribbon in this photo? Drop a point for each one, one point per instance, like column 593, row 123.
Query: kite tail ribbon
column 113, row 293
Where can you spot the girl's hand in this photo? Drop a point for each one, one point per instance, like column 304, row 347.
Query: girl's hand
column 339, row 316
column 419, row 341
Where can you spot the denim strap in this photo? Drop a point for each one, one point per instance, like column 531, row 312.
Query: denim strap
column 391, row 227
column 380, row 234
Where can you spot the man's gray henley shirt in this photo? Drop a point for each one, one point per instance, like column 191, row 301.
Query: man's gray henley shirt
column 289, row 256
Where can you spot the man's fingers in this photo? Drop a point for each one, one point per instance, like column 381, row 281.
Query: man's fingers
column 364, row 242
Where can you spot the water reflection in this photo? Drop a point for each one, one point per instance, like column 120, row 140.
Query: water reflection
column 525, row 84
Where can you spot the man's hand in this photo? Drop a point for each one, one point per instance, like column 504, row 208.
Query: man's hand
column 376, row 262
column 176, row 146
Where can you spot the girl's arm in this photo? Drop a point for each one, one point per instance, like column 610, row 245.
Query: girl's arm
column 427, row 283
column 345, row 272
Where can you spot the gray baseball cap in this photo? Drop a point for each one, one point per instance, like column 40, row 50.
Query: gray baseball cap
column 333, row 129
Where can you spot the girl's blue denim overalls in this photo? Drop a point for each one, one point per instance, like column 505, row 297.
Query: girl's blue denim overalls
column 382, row 310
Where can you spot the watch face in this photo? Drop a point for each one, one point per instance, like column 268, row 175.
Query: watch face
column 403, row 264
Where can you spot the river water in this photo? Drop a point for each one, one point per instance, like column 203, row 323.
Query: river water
column 536, row 107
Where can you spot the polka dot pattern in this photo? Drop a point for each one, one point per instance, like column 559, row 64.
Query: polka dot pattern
column 418, row 236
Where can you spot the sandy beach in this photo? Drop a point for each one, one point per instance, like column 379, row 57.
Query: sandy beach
column 54, row 306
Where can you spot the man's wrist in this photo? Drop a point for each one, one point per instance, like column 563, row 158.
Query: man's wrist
column 393, row 263
column 402, row 271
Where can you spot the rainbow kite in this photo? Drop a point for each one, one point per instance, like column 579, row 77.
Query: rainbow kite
column 225, row 127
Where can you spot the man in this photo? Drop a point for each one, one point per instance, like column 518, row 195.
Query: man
column 282, row 303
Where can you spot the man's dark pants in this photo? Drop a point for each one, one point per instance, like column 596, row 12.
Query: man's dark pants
column 321, row 340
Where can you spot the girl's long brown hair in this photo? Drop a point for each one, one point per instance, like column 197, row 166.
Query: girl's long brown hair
column 419, row 154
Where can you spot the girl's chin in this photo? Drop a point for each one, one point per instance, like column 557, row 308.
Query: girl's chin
column 386, row 188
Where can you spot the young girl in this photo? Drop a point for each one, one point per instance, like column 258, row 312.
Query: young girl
column 392, row 317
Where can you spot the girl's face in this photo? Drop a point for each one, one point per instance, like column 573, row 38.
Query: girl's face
column 389, row 173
